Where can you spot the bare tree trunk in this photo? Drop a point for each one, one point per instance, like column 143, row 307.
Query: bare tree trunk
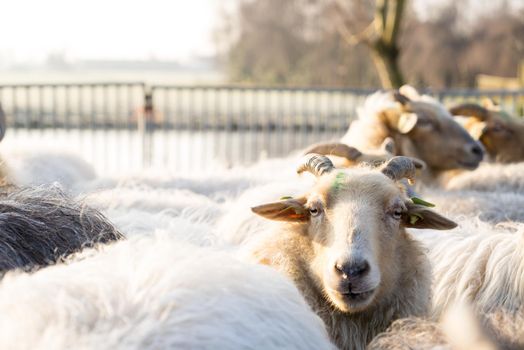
column 384, row 48
column 381, row 36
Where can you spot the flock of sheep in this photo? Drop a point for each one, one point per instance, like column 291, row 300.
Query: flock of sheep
column 349, row 253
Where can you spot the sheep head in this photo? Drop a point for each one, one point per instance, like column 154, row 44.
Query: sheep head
column 501, row 136
column 424, row 129
column 355, row 220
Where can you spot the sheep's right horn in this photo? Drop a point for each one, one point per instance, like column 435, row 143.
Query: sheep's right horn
column 470, row 110
column 316, row 164
column 3, row 123
column 401, row 167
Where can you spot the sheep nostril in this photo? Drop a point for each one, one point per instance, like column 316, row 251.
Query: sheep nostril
column 359, row 269
column 353, row 270
column 477, row 150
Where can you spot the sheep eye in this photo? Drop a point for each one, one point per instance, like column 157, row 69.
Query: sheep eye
column 425, row 123
column 314, row 211
column 397, row 214
column 497, row 128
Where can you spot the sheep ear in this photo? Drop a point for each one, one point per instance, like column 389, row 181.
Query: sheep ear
column 403, row 122
column 285, row 210
column 489, row 103
column 477, row 129
column 406, row 122
column 410, row 92
column 419, row 216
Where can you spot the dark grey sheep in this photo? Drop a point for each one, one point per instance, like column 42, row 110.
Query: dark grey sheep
column 40, row 226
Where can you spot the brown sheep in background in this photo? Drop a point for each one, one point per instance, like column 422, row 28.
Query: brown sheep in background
column 419, row 127
column 345, row 246
column 501, row 135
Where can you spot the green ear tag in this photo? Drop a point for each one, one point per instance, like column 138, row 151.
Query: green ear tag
column 420, row 201
column 339, row 181
column 285, row 198
column 413, row 218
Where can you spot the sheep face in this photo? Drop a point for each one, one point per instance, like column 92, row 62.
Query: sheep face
column 502, row 138
column 354, row 220
column 427, row 131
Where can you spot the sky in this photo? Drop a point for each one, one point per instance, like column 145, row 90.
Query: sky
column 107, row 29
column 117, row 29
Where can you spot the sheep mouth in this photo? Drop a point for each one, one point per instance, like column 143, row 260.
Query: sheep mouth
column 351, row 301
column 354, row 296
column 471, row 165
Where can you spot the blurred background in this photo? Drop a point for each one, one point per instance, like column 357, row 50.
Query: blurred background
column 185, row 87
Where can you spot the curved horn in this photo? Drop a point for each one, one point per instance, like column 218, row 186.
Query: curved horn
column 316, row 164
column 336, row 149
column 401, row 167
column 2, row 123
column 470, row 110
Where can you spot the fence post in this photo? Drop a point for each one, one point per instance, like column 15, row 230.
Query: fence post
column 146, row 122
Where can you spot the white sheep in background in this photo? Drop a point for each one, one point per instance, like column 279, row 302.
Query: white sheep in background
column 459, row 329
column 479, row 264
column 344, row 245
column 33, row 167
column 490, row 177
column 492, row 207
column 156, row 292
column 141, row 209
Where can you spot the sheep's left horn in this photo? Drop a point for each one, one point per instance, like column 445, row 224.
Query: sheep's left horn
column 400, row 167
column 336, row 149
column 316, row 164
column 470, row 110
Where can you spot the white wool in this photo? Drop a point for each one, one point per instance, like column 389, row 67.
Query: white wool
column 239, row 224
column 154, row 293
column 368, row 132
column 32, row 169
column 478, row 264
column 493, row 207
column 490, row 177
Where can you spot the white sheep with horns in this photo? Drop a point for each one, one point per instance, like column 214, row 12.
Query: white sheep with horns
column 345, row 246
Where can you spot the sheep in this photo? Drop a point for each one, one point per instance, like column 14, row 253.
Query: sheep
column 345, row 246
column 39, row 226
column 459, row 329
column 489, row 177
column 31, row 168
column 494, row 207
column 156, row 292
column 484, row 269
column 501, row 135
column 420, row 127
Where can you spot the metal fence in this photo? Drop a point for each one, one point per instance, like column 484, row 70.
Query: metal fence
column 127, row 127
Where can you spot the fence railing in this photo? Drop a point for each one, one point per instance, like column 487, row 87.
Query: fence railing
column 127, row 127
